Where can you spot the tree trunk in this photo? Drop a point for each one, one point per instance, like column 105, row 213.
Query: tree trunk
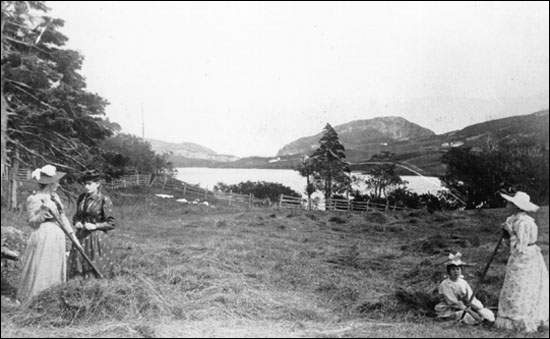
column 4, row 120
column 308, row 194
column 4, row 128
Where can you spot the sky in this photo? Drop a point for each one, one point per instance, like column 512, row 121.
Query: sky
column 246, row 78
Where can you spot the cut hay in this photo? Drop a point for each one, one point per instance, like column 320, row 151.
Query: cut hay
column 418, row 302
column 82, row 301
column 376, row 217
column 337, row 220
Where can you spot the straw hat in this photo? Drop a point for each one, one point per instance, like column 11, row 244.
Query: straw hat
column 455, row 260
column 521, row 200
column 47, row 175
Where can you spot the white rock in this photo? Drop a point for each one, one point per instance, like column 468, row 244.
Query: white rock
column 164, row 196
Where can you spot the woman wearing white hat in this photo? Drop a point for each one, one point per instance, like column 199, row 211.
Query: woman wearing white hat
column 44, row 262
column 523, row 301
column 455, row 293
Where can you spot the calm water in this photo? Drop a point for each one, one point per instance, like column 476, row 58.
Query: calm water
column 208, row 177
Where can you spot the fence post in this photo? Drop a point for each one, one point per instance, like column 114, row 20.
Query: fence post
column 250, row 200
column 387, row 206
column 205, row 194
column 137, row 179
column 230, row 196
column 367, row 208
column 165, row 178
column 280, row 200
column 184, row 189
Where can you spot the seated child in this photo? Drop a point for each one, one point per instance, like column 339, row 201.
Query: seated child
column 455, row 293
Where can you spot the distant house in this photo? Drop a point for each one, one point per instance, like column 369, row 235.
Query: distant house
column 274, row 160
column 452, row 144
column 457, row 143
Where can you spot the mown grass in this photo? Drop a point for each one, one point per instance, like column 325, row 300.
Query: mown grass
column 197, row 271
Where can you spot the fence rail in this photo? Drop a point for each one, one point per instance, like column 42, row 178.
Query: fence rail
column 286, row 201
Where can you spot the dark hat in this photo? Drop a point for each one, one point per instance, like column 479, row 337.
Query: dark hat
column 47, row 174
column 90, row 175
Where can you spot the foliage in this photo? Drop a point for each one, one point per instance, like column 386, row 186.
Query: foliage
column 520, row 164
column 306, row 169
column 260, row 189
column 404, row 198
column 52, row 117
column 125, row 153
column 381, row 178
column 438, row 202
column 331, row 172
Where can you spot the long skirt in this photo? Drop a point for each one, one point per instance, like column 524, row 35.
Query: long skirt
column 44, row 263
column 98, row 249
column 523, row 302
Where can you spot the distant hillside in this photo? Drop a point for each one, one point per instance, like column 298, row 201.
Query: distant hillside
column 187, row 152
column 411, row 143
column 360, row 133
column 425, row 152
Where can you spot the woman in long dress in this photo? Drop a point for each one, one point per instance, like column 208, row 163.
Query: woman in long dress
column 44, row 263
column 93, row 220
column 523, row 301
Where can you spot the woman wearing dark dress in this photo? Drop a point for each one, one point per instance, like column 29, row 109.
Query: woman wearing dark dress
column 93, row 222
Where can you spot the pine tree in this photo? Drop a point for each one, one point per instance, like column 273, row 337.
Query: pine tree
column 48, row 116
column 331, row 172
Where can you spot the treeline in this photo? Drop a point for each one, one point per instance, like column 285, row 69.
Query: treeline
column 48, row 114
column 473, row 178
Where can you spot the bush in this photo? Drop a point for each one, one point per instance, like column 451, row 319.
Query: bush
column 260, row 189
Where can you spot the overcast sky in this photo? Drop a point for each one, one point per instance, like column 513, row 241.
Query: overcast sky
column 247, row 78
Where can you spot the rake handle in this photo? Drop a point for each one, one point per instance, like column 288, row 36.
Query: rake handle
column 480, row 282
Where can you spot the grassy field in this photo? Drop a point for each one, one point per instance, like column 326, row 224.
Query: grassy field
column 195, row 271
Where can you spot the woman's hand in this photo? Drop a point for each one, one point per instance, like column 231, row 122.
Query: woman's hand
column 78, row 225
column 89, row 226
column 48, row 205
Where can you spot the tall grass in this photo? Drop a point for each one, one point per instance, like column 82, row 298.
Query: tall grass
column 181, row 265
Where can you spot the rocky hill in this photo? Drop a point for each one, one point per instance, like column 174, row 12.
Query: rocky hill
column 419, row 147
column 358, row 134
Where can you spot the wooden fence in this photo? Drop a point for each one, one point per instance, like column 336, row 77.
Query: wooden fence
column 358, row 206
column 186, row 190
column 286, row 201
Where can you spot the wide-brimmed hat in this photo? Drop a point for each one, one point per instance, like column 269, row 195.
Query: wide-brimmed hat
column 47, row 174
column 91, row 175
column 455, row 260
column 521, row 200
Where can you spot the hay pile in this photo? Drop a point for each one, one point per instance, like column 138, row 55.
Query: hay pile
column 83, row 302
